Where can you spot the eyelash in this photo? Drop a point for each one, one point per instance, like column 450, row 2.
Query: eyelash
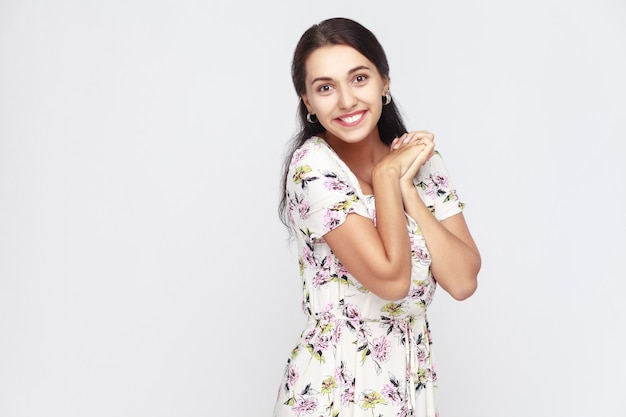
column 326, row 87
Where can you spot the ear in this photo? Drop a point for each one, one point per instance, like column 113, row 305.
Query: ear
column 305, row 100
column 385, row 87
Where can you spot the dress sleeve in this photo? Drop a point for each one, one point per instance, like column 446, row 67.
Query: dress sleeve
column 436, row 188
column 320, row 192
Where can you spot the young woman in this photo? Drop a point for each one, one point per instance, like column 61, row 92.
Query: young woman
column 378, row 225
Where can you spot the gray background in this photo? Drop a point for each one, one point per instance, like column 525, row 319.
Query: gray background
column 143, row 269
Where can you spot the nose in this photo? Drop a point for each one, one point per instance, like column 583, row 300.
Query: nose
column 347, row 100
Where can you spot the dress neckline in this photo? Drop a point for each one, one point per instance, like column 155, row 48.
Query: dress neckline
column 346, row 167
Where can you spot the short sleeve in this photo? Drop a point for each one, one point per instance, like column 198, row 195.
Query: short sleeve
column 320, row 192
column 436, row 188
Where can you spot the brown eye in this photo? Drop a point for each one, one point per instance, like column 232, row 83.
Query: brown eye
column 324, row 88
column 360, row 78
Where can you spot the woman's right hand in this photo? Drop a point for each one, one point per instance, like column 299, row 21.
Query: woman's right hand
column 409, row 152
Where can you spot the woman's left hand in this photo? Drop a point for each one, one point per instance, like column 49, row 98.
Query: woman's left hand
column 421, row 138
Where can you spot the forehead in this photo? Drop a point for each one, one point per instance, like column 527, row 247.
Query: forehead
column 335, row 61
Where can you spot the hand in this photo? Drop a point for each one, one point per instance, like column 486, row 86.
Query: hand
column 420, row 146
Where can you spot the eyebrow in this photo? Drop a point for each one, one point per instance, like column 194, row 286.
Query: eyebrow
column 352, row 71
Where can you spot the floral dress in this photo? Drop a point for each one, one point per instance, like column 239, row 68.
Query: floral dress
column 359, row 355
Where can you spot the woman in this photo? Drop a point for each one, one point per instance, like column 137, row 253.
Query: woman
column 378, row 225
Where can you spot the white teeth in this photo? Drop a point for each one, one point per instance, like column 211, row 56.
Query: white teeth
column 351, row 119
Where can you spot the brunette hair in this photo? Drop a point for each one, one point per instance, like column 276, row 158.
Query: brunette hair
column 335, row 31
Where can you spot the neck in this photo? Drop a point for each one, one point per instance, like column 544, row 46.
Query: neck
column 361, row 157
column 366, row 152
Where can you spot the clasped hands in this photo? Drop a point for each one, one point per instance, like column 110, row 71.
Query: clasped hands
column 409, row 152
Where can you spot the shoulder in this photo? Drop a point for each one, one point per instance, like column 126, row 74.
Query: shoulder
column 313, row 150
column 316, row 156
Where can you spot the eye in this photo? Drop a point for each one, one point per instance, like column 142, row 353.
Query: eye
column 324, row 88
column 360, row 79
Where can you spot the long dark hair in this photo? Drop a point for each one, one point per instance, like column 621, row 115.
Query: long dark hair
column 335, row 31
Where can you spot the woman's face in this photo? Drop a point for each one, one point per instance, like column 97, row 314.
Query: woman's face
column 344, row 90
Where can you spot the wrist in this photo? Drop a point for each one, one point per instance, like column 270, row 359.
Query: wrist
column 384, row 170
column 407, row 188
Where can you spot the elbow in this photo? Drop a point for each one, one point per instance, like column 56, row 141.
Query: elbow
column 468, row 284
column 464, row 291
column 461, row 284
column 395, row 288
column 397, row 291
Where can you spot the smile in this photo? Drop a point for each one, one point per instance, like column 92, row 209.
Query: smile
column 351, row 119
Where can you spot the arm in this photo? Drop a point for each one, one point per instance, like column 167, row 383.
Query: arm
column 379, row 257
column 455, row 259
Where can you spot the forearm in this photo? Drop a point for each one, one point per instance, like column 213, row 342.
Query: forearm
column 391, row 221
column 455, row 260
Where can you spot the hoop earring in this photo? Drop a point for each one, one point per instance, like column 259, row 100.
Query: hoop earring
column 387, row 98
column 309, row 118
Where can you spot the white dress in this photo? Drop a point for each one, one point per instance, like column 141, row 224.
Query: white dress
column 359, row 355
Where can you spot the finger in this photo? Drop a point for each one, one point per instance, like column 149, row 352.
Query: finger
column 410, row 137
column 419, row 136
column 398, row 141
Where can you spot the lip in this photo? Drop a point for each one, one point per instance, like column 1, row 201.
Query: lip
column 341, row 120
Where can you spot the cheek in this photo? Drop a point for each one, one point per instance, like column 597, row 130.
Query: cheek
column 321, row 105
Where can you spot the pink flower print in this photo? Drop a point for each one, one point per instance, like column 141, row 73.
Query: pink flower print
column 341, row 375
column 430, row 189
column 391, row 392
column 321, row 344
column 381, row 348
column 334, row 184
column 304, row 208
column 292, row 376
column 308, row 255
column 297, row 156
column 309, row 335
column 327, row 313
column 305, row 406
column 347, row 396
column 362, row 334
column 417, row 290
column 352, row 312
column 332, row 219
column 321, row 277
column 353, row 315
column 292, row 204
column 441, row 181
column 421, row 357
column 404, row 411
column 422, row 255
column 431, row 374
column 337, row 330
column 341, row 270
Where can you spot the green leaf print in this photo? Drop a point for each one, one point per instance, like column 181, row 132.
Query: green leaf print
column 364, row 354
column 326, row 327
column 394, row 309
column 317, row 354
column 328, row 384
column 343, row 280
column 371, row 399
column 299, row 177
